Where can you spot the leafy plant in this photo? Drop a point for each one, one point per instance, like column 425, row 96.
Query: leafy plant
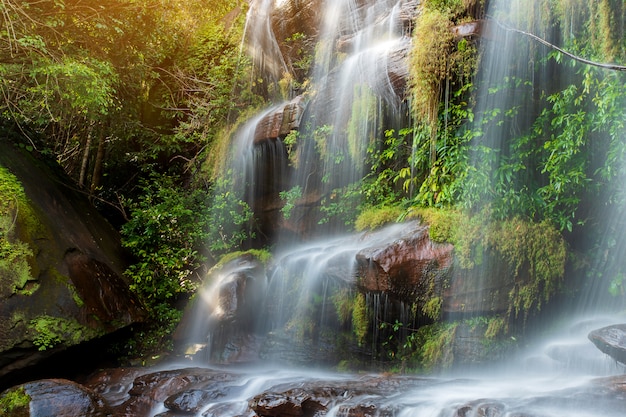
column 52, row 331
column 290, row 198
column 15, row 401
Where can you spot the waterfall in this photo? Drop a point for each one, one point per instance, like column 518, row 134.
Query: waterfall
column 546, row 124
column 353, row 101
column 350, row 102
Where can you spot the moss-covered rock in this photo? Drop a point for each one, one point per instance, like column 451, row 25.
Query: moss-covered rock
column 61, row 265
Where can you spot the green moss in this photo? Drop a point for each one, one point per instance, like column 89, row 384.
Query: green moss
column 436, row 345
column 53, row 331
column 363, row 121
column 360, row 319
column 15, row 402
column 432, row 308
column 17, row 223
column 442, row 222
column 343, row 301
column 534, row 252
column 376, row 217
column 496, row 327
column 262, row 255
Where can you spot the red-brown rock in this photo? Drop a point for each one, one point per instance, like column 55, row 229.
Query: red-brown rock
column 411, row 266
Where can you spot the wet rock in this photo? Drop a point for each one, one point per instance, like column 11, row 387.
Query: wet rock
column 412, row 267
column 192, row 401
column 297, row 17
column 153, row 389
column 611, row 340
column 280, row 122
column 475, row 292
column 481, row 408
column 229, row 319
column 467, row 29
column 75, row 276
column 113, row 384
column 213, row 393
column 57, row 398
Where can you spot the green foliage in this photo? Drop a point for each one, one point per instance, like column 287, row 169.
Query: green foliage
column 228, row 219
column 166, row 230
column 53, row 331
column 15, row 402
column 340, row 205
column 386, row 167
column 151, row 338
column 320, row 136
column 290, row 198
column 376, row 217
column 291, row 141
column 301, row 57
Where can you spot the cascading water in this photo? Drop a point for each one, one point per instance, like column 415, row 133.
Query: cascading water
column 353, row 99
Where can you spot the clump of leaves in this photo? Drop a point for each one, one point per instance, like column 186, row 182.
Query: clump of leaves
column 52, row 331
column 290, row 198
column 166, row 229
column 15, row 402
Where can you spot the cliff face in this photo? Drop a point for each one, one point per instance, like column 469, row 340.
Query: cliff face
column 61, row 269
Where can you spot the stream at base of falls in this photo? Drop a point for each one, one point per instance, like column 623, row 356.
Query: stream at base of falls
column 565, row 376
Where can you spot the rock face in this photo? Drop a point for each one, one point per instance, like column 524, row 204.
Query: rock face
column 281, row 121
column 611, row 340
column 412, row 267
column 74, row 290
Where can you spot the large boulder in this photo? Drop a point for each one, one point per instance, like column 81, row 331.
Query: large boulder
column 61, row 280
column 611, row 340
column 411, row 267
column 53, row 397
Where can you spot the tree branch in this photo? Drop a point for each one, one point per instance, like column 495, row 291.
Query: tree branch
column 613, row 67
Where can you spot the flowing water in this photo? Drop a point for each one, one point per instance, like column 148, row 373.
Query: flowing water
column 354, row 99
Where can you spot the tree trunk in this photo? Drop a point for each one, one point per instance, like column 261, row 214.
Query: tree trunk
column 85, row 160
column 97, row 169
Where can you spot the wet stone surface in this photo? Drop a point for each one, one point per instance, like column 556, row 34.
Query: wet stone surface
column 203, row 392
column 611, row 340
